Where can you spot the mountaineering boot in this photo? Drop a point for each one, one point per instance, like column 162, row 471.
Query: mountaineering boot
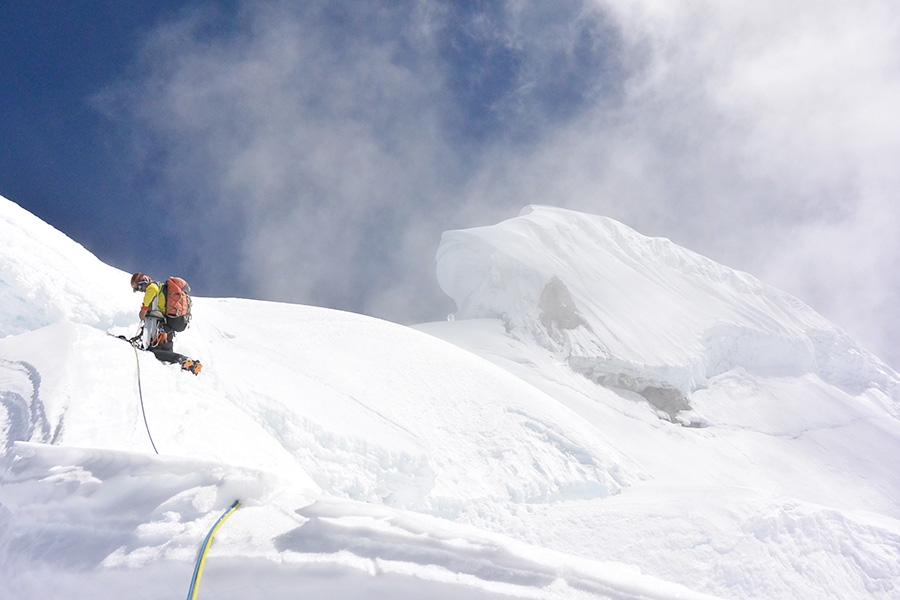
column 193, row 366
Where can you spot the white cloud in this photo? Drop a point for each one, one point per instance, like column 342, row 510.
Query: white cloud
column 760, row 134
column 340, row 142
column 803, row 129
column 311, row 131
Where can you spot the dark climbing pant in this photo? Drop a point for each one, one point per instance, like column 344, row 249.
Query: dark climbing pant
column 168, row 356
column 164, row 351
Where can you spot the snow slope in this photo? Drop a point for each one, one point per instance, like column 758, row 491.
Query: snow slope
column 690, row 434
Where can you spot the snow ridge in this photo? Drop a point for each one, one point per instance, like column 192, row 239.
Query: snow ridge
column 45, row 277
column 575, row 283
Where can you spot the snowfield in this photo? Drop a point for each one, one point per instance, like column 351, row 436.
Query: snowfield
column 606, row 416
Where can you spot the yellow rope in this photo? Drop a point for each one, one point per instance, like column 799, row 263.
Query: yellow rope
column 201, row 559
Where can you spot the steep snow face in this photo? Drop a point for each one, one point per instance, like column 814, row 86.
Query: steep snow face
column 374, row 460
column 45, row 277
column 296, row 406
column 642, row 314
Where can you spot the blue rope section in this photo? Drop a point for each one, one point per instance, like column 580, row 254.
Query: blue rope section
column 201, row 557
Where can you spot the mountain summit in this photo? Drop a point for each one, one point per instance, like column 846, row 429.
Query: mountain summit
column 642, row 314
column 605, row 416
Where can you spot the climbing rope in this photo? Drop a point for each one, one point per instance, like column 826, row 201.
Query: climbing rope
column 137, row 361
column 201, row 557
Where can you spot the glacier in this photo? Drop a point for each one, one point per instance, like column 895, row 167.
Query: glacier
column 606, row 415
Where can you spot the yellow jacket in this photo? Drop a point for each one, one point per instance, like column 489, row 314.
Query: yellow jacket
column 154, row 301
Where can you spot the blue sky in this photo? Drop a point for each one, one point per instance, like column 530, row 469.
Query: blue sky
column 314, row 152
column 59, row 158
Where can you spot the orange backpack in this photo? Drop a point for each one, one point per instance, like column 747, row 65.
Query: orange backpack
column 178, row 303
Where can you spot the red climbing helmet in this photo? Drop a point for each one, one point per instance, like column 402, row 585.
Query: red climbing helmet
column 139, row 282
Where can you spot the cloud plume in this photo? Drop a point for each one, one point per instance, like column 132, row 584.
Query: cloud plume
column 322, row 147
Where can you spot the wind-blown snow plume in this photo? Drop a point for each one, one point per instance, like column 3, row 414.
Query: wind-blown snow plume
column 303, row 135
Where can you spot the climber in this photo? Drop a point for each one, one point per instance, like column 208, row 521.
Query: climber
column 165, row 310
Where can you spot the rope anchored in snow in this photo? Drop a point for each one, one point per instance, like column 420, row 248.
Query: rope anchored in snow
column 137, row 361
column 201, row 557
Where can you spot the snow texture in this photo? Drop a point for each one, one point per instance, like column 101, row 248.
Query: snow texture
column 606, row 416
